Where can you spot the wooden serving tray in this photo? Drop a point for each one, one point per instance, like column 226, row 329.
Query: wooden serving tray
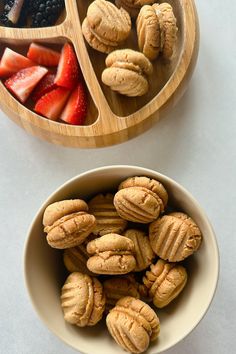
column 112, row 118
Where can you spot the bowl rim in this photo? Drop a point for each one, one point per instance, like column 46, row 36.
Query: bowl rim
column 146, row 171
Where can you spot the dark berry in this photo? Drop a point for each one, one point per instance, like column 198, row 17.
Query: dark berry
column 45, row 13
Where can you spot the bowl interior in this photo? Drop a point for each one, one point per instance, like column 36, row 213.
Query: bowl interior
column 45, row 274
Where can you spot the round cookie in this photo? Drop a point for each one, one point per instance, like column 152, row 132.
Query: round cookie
column 142, row 250
column 57, row 210
column 111, row 254
column 138, row 204
column 174, row 237
column 82, row 300
column 126, row 82
column 148, row 183
column 108, row 22
column 148, row 32
column 164, row 282
column 127, row 71
column 93, row 40
column 133, row 324
column 108, row 220
column 168, row 27
column 130, row 56
column 70, row 230
column 117, row 287
column 75, row 259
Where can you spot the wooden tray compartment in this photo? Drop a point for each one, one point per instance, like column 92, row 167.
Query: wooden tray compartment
column 112, row 118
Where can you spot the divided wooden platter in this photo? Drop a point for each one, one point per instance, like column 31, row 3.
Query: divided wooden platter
column 112, row 118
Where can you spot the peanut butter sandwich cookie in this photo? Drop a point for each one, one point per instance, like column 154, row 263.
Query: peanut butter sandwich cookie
column 165, row 282
column 118, row 287
column 57, row 210
column 67, row 223
column 127, row 72
column 105, row 26
column 133, row 324
column 82, row 300
column 174, row 237
column 140, row 199
column 108, row 220
column 157, row 30
column 148, row 183
column 111, row 254
column 142, row 249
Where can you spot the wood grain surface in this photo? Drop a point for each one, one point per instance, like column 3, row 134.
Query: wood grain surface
column 112, row 118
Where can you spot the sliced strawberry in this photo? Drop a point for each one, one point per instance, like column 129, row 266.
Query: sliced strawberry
column 51, row 104
column 76, row 107
column 68, row 68
column 43, row 55
column 45, row 85
column 24, row 81
column 12, row 62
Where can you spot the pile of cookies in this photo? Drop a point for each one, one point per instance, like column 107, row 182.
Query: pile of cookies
column 122, row 251
column 107, row 26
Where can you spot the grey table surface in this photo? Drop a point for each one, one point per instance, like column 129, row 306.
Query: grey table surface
column 195, row 144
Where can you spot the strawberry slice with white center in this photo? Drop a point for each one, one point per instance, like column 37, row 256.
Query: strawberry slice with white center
column 43, row 55
column 68, row 69
column 24, row 81
column 45, row 85
column 51, row 104
column 12, row 62
column 76, row 107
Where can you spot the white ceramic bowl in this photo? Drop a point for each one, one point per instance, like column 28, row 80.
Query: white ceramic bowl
column 44, row 270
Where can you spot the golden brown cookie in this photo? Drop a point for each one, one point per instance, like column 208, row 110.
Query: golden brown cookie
column 111, row 254
column 70, row 230
column 117, row 287
column 94, row 40
column 108, row 220
column 105, row 26
column 148, row 32
column 82, row 300
column 127, row 72
column 168, row 28
column 132, row 57
column 75, row 259
column 57, row 210
column 138, row 204
column 156, row 30
column 107, row 21
column 148, row 183
column 165, row 282
column 174, row 237
column 142, row 250
column 133, row 324
column 125, row 82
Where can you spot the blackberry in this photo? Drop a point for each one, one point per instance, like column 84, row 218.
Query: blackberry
column 13, row 11
column 45, row 12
